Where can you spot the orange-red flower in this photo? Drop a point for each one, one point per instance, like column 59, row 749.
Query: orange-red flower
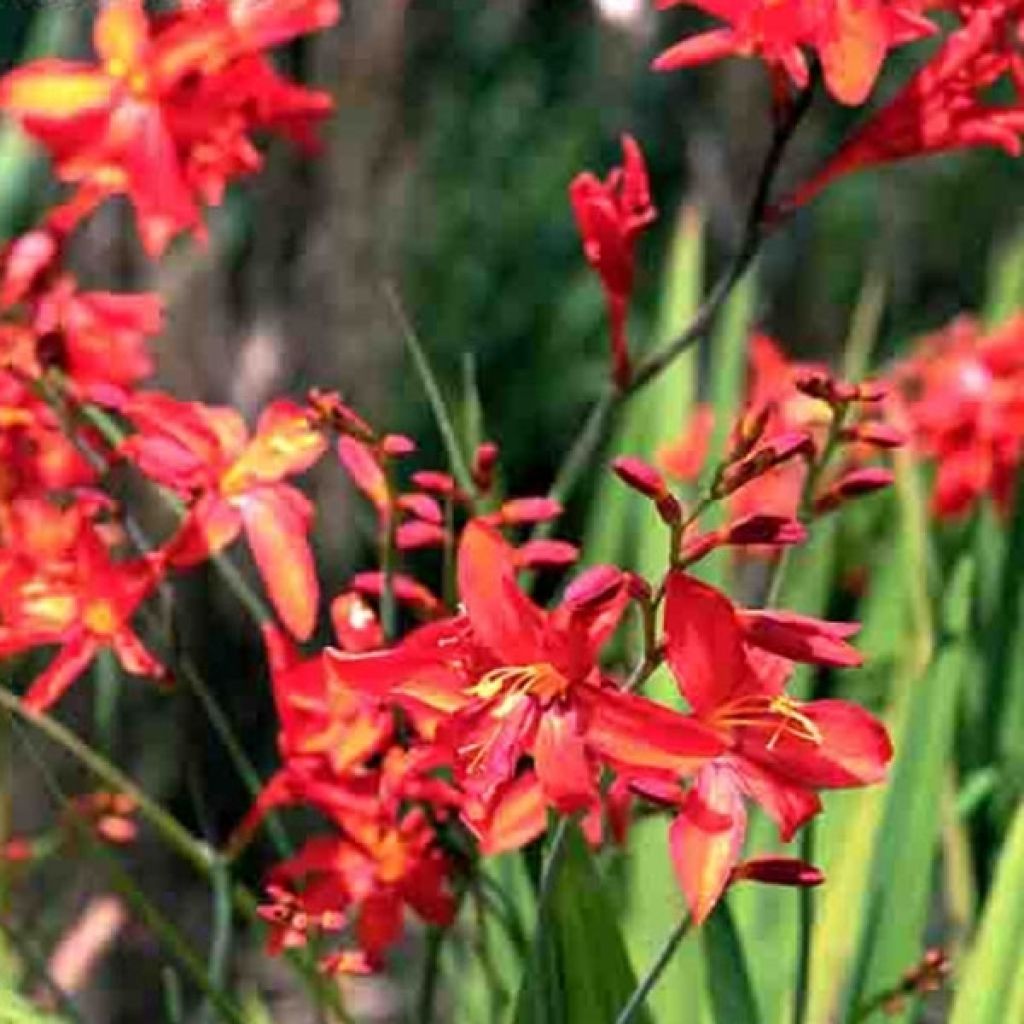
column 163, row 116
column 513, row 681
column 850, row 37
column 964, row 390
column 947, row 105
column 235, row 484
column 61, row 587
column 610, row 215
column 780, row 751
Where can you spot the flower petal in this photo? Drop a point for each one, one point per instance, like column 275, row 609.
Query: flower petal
column 706, row 839
column 276, row 523
column 704, row 643
column 504, row 619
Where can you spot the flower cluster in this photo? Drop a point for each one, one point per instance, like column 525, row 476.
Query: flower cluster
column 795, row 417
column 965, row 410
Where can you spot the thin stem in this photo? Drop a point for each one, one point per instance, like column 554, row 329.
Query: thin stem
column 35, row 964
column 431, row 975
column 196, row 852
column 449, row 436
column 646, row 986
column 550, row 867
column 161, row 926
column 805, row 929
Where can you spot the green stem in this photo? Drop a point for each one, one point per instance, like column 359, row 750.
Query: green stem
column 449, row 435
column 165, row 931
column 196, row 852
column 35, row 964
column 431, row 974
column 805, row 930
column 653, row 976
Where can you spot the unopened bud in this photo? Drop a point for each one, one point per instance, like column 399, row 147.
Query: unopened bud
column 484, row 463
column 778, row 871
column 645, row 479
column 594, row 586
column 855, row 484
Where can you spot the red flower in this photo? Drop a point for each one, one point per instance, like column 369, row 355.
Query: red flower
column 163, row 117
column 943, row 106
column 78, row 598
column 236, row 483
column 610, row 214
column 779, row 751
column 964, row 395
column 512, row 680
column 851, row 38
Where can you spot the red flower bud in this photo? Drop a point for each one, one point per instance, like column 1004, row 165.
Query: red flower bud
column 855, row 484
column 529, row 510
column 778, row 871
column 419, row 534
column 776, row 450
column 484, row 463
column 766, row 529
column 546, row 554
column 422, row 506
column 645, row 479
column 595, row 585
column 397, row 445
column 880, row 435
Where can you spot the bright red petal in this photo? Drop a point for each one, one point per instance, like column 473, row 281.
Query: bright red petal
column 560, row 759
column 704, row 643
column 58, row 676
column 706, row 839
column 276, row 521
column 635, row 735
column 504, row 619
column 852, row 749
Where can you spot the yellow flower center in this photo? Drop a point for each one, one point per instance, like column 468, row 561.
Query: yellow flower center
column 542, row 681
column 100, row 617
column 780, row 713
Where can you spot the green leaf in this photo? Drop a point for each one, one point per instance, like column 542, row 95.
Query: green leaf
column 907, row 837
column 578, row 971
column 1006, row 282
column 991, row 988
column 732, row 995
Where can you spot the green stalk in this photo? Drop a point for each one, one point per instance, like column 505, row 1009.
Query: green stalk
column 196, row 852
column 651, row 978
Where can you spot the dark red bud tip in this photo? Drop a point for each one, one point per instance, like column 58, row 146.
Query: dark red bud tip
column 778, row 871
column 328, row 409
column 641, row 477
column 485, row 460
column 594, row 586
column 766, row 529
column 855, row 484
column 639, row 589
column 669, row 509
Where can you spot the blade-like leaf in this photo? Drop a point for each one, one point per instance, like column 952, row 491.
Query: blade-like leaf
column 577, row 971
column 992, row 983
column 732, row 995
